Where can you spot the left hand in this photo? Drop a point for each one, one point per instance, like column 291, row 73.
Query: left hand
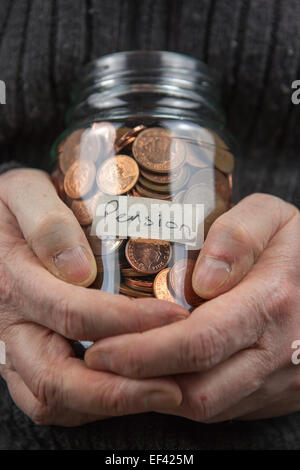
column 232, row 356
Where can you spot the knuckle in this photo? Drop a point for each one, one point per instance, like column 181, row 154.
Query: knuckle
column 113, row 400
column 132, row 365
column 67, row 321
column 46, row 388
column 50, row 226
column 201, row 351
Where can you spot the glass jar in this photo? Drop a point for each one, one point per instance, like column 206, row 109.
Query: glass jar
column 146, row 166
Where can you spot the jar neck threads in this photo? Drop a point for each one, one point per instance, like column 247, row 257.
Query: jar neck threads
column 157, row 83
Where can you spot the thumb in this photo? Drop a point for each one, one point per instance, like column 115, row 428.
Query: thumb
column 235, row 241
column 49, row 226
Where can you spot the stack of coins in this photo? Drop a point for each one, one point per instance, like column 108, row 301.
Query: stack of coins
column 177, row 164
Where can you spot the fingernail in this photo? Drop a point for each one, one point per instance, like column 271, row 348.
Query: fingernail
column 157, row 400
column 74, row 264
column 211, row 273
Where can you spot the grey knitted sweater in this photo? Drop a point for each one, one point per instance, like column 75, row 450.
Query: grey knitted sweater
column 254, row 45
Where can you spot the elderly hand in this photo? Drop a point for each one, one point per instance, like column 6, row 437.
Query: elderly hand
column 232, row 356
column 37, row 310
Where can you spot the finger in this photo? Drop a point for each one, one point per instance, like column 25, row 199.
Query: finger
column 212, row 333
column 59, row 381
column 276, row 397
column 49, row 227
column 236, row 240
column 39, row 413
column 77, row 312
column 212, row 396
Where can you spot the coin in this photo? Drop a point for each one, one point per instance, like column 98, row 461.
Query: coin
column 201, row 194
column 160, row 286
column 220, row 207
column 148, row 256
column 133, row 292
column 199, row 143
column 160, row 188
column 69, row 150
column 224, row 160
column 202, row 149
column 128, row 137
column 99, row 263
column 155, row 150
column 84, row 210
column 170, row 187
column 162, row 178
column 178, row 198
column 140, row 191
column 57, row 179
column 129, row 272
column 79, row 179
column 213, row 178
column 117, row 175
column 180, row 278
column 140, row 285
column 104, row 246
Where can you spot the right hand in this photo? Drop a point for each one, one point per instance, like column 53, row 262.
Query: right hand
column 39, row 309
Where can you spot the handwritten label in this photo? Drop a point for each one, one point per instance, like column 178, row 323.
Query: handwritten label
column 139, row 217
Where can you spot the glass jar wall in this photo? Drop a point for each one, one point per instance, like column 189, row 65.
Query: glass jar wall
column 146, row 166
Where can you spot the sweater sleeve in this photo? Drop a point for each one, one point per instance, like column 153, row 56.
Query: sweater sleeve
column 10, row 166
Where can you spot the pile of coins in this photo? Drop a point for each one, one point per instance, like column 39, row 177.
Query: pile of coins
column 187, row 164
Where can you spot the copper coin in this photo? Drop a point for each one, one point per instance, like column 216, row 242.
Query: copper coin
column 180, row 278
column 126, row 290
column 84, row 210
column 128, row 137
column 148, row 256
column 160, row 286
column 69, row 150
column 223, row 160
column 213, row 178
column 135, row 193
column 117, row 175
column 129, row 272
column 139, row 285
column 121, row 131
column 220, row 207
column 147, row 193
column 160, row 188
column 162, row 178
column 79, row 179
column 155, row 150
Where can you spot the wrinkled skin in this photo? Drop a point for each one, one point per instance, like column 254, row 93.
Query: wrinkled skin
column 39, row 309
column 232, row 357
